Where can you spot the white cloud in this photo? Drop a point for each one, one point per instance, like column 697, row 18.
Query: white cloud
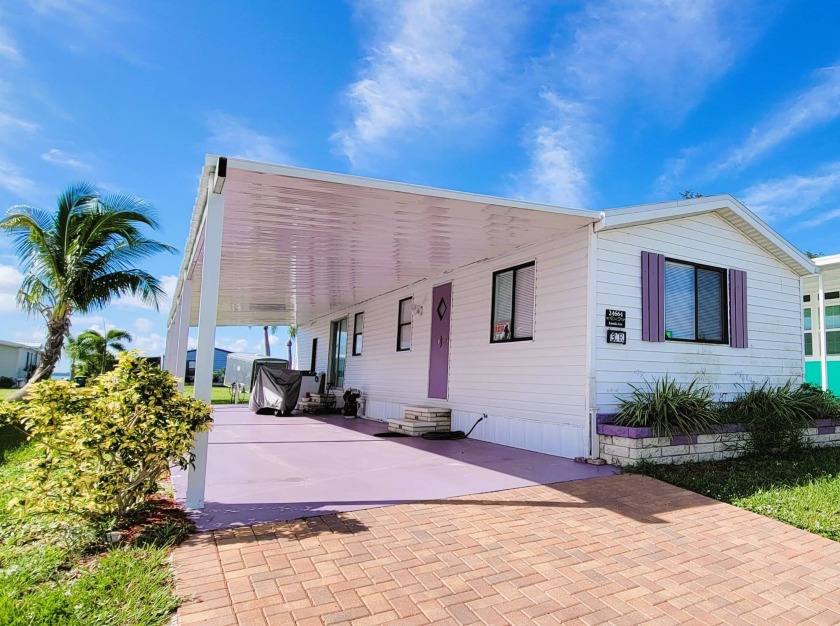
column 9, row 48
column 781, row 198
column 10, row 279
column 230, row 136
column 663, row 52
column 152, row 344
column 559, row 148
column 167, row 283
column 15, row 180
column 91, row 322
column 59, row 157
column 433, row 65
column 234, row 345
column 143, row 324
column 828, row 216
column 813, row 107
column 10, row 122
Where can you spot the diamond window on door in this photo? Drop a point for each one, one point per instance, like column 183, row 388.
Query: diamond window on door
column 441, row 309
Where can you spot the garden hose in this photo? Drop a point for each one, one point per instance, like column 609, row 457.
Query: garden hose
column 451, row 434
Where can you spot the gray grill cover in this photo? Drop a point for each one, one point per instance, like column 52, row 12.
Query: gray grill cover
column 275, row 390
column 242, row 368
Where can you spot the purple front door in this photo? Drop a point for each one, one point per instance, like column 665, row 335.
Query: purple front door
column 439, row 353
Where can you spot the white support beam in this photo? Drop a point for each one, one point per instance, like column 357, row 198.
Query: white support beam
column 182, row 336
column 207, row 315
column 822, row 334
column 171, row 342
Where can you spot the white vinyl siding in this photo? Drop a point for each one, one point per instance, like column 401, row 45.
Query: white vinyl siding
column 774, row 315
column 533, row 391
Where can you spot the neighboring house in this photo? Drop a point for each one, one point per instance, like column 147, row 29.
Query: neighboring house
column 19, row 360
column 822, row 363
column 538, row 316
column 219, row 362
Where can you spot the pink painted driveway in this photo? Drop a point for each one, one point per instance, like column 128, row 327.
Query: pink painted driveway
column 265, row 468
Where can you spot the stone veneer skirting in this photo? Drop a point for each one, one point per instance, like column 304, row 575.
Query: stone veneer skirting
column 624, row 445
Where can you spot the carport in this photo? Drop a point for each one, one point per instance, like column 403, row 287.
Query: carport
column 277, row 245
column 264, row 469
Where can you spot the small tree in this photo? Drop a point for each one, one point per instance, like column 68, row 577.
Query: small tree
column 101, row 450
column 79, row 259
column 93, row 353
column 292, row 336
column 690, row 194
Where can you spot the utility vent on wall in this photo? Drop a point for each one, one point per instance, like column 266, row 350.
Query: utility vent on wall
column 267, row 307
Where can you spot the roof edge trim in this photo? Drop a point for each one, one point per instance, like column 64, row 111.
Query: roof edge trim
column 650, row 213
column 385, row 185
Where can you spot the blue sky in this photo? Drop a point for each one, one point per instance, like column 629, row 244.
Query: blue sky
column 591, row 105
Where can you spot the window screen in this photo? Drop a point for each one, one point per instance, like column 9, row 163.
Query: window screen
column 404, row 325
column 695, row 303
column 512, row 316
column 709, row 305
column 679, row 301
column 358, row 330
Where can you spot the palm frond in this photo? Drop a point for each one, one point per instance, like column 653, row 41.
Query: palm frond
column 103, row 289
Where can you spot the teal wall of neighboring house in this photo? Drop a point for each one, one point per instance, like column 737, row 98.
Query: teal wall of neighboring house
column 813, row 374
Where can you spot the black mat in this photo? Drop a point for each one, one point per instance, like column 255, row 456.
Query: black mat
column 390, row 434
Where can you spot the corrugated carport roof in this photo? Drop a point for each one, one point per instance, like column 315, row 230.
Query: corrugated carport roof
column 300, row 243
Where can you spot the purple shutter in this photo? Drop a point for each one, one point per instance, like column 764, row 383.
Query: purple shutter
column 738, row 309
column 653, row 296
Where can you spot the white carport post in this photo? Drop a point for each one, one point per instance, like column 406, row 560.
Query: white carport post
column 207, row 311
column 179, row 365
column 171, row 338
column 822, row 334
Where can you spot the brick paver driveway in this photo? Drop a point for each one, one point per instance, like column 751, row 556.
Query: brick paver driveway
column 619, row 549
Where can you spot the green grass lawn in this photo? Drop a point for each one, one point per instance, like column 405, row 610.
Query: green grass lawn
column 5, row 393
column 802, row 490
column 221, row 395
column 58, row 570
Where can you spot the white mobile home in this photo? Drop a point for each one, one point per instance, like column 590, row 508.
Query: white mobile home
column 18, row 360
column 537, row 316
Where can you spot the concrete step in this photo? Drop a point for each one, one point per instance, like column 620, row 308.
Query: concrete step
column 427, row 413
column 413, row 427
column 440, row 419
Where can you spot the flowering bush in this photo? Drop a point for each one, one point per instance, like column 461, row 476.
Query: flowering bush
column 101, row 449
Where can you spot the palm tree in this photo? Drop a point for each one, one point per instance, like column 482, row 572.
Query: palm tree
column 79, row 259
column 292, row 335
column 96, row 352
column 266, row 330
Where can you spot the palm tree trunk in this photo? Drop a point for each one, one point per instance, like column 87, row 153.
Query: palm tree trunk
column 267, row 344
column 56, row 330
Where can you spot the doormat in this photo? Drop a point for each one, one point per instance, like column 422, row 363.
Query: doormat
column 390, row 433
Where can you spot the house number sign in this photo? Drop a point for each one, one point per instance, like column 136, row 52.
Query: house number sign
column 615, row 318
column 616, row 336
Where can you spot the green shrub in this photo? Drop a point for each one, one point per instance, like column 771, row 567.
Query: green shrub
column 666, row 407
column 778, row 415
column 101, row 449
column 6, row 382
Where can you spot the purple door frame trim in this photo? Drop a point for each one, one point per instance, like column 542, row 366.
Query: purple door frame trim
column 439, row 342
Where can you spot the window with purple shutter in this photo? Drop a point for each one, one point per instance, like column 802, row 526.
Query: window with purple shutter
column 738, row 337
column 686, row 301
column 653, row 296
